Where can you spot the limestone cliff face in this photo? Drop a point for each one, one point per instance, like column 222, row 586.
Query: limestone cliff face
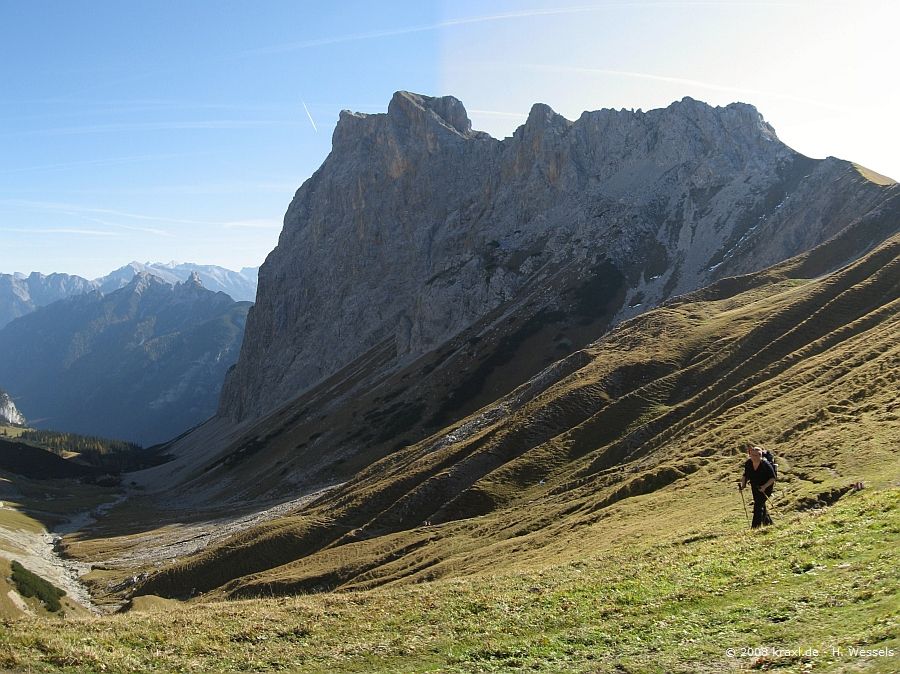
column 416, row 227
column 9, row 414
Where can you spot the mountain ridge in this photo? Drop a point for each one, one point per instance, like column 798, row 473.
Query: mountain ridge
column 142, row 363
column 21, row 294
column 605, row 217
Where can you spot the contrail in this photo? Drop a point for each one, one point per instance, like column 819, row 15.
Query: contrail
column 525, row 14
column 211, row 124
column 500, row 113
column 91, row 214
column 719, row 87
column 311, row 120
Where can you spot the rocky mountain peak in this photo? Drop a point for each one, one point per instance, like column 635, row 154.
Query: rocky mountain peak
column 542, row 116
column 415, row 109
column 416, row 228
column 411, row 119
column 192, row 287
column 144, row 280
column 193, row 280
column 739, row 121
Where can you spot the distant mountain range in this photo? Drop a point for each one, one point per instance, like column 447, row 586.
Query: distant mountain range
column 143, row 363
column 240, row 285
column 20, row 294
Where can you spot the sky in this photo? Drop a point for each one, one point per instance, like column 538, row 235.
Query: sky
column 159, row 131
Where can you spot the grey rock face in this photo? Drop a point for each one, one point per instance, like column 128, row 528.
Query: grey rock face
column 416, row 227
column 8, row 412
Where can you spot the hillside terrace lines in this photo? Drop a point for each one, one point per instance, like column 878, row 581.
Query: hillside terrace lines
column 548, row 416
column 596, row 445
column 769, row 401
column 647, row 433
column 791, row 343
column 409, row 467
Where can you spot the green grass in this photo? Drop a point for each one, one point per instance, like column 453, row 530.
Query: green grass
column 11, row 431
column 13, row 520
column 821, row 580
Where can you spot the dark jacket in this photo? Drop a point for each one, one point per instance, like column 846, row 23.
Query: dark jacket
column 763, row 473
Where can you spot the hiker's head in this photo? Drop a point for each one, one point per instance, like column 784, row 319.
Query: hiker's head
column 754, row 452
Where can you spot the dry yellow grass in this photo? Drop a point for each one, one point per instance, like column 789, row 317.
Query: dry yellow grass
column 590, row 524
column 824, row 580
column 644, row 437
column 874, row 177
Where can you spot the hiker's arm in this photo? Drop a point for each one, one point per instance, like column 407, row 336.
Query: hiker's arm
column 767, row 484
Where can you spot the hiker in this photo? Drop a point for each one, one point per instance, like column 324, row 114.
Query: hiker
column 761, row 476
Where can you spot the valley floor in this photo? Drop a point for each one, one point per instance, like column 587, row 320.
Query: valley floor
column 817, row 592
column 33, row 517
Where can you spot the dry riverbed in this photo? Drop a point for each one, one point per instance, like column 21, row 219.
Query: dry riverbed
column 117, row 560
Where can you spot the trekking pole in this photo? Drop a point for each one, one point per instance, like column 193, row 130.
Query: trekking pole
column 769, row 505
column 746, row 515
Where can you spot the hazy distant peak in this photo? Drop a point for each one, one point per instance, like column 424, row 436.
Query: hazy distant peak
column 241, row 286
column 143, row 280
column 192, row 282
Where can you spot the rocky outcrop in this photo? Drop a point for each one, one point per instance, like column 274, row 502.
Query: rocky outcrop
column 417, row 229
column 8, row 412
column 144, row 363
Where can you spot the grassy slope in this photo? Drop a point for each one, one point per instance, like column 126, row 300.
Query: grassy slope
column 874, row 177
column 643, row 437
column 592, row 527
column 821, row 579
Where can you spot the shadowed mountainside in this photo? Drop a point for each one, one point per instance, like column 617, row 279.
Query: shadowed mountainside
column 143, row 363
column 638, row 429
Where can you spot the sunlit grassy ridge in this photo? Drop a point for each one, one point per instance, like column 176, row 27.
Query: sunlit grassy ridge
column 823, row 579
column 644, row 437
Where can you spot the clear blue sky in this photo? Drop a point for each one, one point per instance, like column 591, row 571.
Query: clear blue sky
column 180, row 130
